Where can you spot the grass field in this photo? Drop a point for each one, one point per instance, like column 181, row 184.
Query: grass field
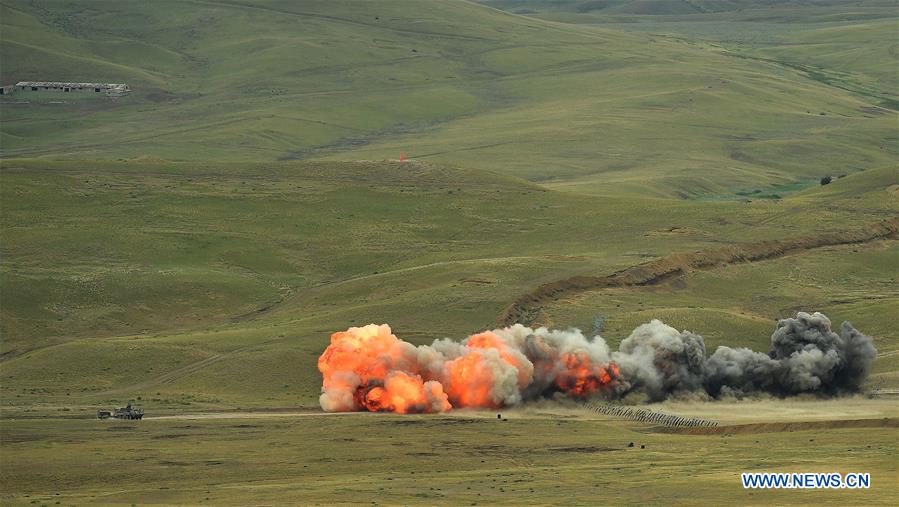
column 463, row 459
column 146, row 269
column 191, row 246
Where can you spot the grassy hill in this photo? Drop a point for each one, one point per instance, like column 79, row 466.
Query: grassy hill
column 600, row 110
column 192, row 287
column 192, row 245
column 541, row 150
column 849, row 46
column 161, row 280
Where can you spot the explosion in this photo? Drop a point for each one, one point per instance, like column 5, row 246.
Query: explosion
column 369, row 368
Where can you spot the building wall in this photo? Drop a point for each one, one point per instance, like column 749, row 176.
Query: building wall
column 61, row 88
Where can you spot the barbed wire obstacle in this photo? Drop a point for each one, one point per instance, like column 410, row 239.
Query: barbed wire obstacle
column 648, row 416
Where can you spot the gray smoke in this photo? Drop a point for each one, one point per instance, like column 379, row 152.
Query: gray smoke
column 657, row 360
column 544, row 349
column 660, row 361
column 806, row 356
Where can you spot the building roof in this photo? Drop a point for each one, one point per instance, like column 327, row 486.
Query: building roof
column 117, row 86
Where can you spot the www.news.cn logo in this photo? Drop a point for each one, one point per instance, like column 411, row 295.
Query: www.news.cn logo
column 831, row 480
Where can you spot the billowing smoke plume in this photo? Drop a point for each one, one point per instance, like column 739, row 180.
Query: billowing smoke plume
column 368, row 368
column 806, row 356
column 661, row 360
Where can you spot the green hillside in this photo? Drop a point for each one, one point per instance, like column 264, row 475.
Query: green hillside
column 232, row 211
column 850, row 46
column 191, row 246
column 599, row 110
column 163, row 280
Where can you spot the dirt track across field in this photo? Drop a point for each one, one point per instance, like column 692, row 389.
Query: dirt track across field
column 245, row 415
column 527, row 309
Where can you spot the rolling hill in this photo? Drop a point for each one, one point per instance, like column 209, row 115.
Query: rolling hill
column 161, row 280
column 600, row 110
column 237, row 206
column 191, row 246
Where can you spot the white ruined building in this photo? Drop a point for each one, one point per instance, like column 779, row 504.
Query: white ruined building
column 110, row 89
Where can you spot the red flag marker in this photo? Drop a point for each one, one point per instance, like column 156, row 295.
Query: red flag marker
column 402, row 157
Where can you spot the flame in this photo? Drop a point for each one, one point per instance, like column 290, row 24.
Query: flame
column 490, row 340
column 471, row 380
column 404, row 394
column 580, row 377
column 369, row 368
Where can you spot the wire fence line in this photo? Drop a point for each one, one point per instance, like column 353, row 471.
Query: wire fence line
column 648, row 416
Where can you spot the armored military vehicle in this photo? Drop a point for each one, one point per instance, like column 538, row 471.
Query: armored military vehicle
column 127, row 412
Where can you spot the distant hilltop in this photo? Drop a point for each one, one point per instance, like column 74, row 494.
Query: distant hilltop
column 109, row 89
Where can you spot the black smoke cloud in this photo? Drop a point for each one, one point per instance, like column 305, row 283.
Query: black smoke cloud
column 806, row 356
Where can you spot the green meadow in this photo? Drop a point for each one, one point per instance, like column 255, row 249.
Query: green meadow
column 192, row 245
column 379, row 459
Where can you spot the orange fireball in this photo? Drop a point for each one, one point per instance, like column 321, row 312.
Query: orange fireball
column 404, row 394
column 470, row 381
column 580, row 377
column 514, row 357
column 369, row 368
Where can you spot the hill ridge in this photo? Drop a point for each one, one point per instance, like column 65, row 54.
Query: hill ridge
column 526, row 309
